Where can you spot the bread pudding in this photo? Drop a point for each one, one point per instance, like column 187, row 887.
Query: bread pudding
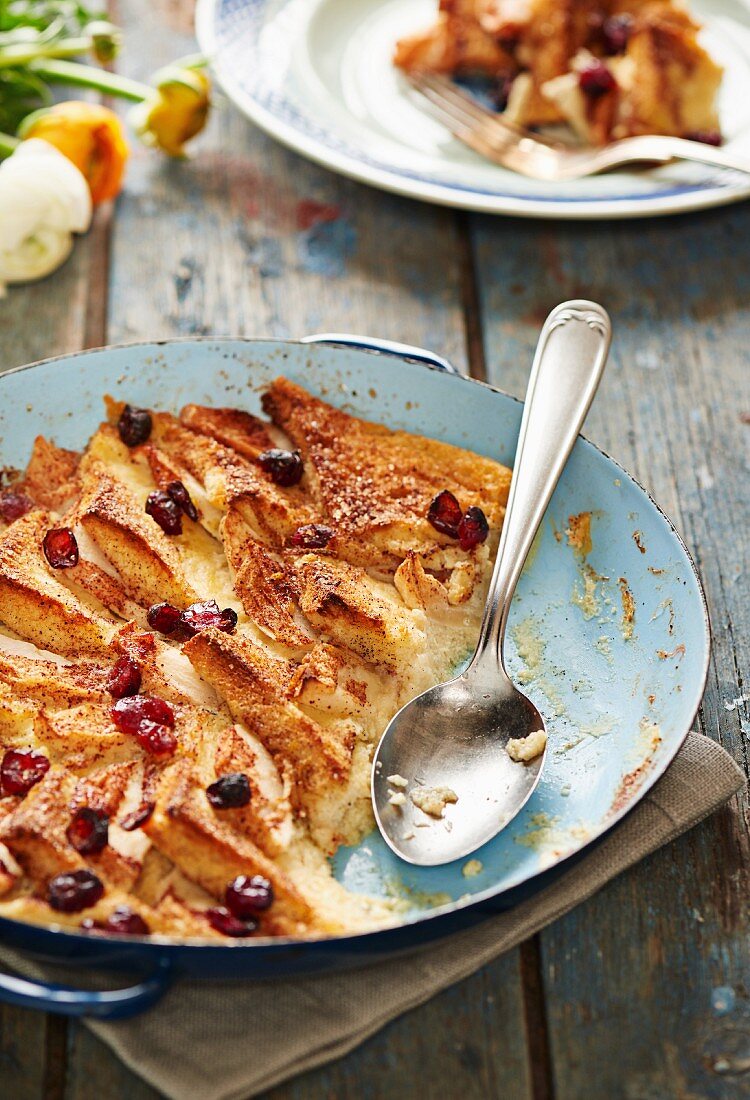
column 206, row 622
column 610, row 69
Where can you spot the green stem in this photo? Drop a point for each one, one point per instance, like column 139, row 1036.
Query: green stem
column 7, row 145
column 13, row 57
column 88, row 76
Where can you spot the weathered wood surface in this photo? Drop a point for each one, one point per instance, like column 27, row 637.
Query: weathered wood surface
column 615, row 1000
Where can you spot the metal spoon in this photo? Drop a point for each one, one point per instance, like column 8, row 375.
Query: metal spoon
column 454, row 735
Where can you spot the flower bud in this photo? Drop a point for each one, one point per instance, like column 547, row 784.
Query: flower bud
column 106, row 40
column 177, row 110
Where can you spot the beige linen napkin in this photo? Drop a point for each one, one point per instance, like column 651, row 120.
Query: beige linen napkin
column 227, row 1041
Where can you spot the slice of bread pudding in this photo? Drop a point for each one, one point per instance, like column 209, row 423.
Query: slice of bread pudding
column 608, row 68
column 206, row 622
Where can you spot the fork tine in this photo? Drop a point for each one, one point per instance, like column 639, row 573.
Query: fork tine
column 443, row 92
column 449, row 117
column 454, row 117
column 442, row 86
column 449, row 89
column 468, row 135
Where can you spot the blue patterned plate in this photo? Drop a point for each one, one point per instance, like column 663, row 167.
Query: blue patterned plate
column 317, row 75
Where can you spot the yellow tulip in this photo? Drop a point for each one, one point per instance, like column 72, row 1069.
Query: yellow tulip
column 177, row 110
column 90, row 136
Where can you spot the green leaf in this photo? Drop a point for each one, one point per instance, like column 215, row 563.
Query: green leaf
column 21, row 91
column 41, row 14
column 25, row 24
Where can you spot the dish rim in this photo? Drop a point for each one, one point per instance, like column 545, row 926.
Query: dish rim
column 680, row 200
column 460, row 904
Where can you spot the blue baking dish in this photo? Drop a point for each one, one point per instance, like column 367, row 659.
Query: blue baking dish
column 618, row 694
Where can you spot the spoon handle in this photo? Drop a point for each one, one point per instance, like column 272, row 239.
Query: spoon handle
column 567, row 368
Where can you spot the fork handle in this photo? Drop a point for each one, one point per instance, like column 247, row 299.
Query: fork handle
column 567, row 368
column 654, row 148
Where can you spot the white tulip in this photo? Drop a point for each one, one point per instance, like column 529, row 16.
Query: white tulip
column 44, row 199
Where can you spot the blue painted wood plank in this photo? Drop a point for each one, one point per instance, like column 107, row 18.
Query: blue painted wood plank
column 646, row 984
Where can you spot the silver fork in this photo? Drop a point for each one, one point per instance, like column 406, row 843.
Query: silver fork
column 542, row 159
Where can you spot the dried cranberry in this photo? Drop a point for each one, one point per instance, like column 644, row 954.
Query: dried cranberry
column 125, row 922
column 445, row 514
column 200, row 616
column 285, row 467
column 248, row 895
column 149, row 719
column 88, row 832
column 596, row 80
column 74, row 890
column 20, row 771
column 134, row 425
column 616, row 32
column 156, row 739
column 124, row 677
column 473, row 528
column 229, row 792
column 14, row 505
column 129, row 713
column 164, row 617
column 228, row 620
column 137, row 818
column 60, row 548
column 312, row 536
column 221, row 920
column 164, row 511
column 706, row 137
column 179, row 494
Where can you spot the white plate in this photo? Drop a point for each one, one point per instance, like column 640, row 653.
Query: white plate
column 317, row 75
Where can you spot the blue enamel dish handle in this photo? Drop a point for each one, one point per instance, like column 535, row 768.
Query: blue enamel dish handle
column 63, row 1000
column 385, row 347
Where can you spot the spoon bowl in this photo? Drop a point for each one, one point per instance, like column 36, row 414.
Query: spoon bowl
column 455, row 736
column 444, row 781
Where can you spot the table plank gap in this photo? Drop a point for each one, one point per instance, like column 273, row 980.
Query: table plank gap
column 535, row 1015
column 97, row 298
column 470, row 302
column 56, row 1058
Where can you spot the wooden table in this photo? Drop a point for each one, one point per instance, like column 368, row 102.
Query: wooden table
column 619, row 998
